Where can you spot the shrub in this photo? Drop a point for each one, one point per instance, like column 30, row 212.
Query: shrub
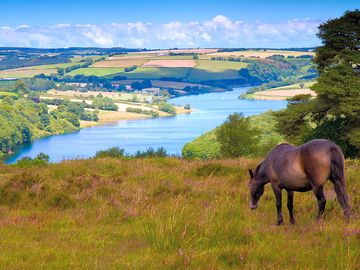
column 166, row 107
column 40, row 159
column 114, row 152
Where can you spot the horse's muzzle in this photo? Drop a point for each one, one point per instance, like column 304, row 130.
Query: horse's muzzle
column 253, row 206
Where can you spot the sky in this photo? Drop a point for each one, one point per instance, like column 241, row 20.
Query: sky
column 166, row 24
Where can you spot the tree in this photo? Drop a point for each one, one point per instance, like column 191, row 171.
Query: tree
column 21, row 87
column 341, row 41
column 302, row 85
column 237, row 137
column 335, row 113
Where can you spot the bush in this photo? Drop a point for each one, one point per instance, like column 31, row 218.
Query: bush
column 166, row 107
column 129, row 69
column 236, row 137
column 40, row 159
column 150, row 152
column 152, row 113
column 113, row 152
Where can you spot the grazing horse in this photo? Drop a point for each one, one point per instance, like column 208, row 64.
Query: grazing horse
column 301, row 169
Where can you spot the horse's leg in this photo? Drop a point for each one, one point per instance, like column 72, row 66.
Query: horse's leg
column 318, row 190
column 277, row 192
column 290, row 205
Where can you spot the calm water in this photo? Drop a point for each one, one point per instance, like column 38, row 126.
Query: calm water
column 169, row 132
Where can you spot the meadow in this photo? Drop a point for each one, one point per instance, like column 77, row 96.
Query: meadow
column 167, row 213
column 260, row 53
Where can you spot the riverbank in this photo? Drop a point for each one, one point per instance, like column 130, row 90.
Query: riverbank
column 172, row 133
column 113, row 116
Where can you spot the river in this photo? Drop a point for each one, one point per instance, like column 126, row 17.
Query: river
column 132, row 135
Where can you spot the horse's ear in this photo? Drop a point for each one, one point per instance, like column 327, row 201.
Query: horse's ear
column 251, row 173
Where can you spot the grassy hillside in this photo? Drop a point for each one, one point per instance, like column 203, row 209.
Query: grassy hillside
column 206, row 145
column 165, row 214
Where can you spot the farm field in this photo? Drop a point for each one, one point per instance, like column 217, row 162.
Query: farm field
column 260, row 54
column 307, row 85
column 97, row 71
column 170, row 63
column 215, row 70
column 122, row 63
column 25, row 72
column 166, row 214
column 155, row 73
column 281, row 94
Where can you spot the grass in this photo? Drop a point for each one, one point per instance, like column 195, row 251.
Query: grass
column 261, row 54
column 96, row 71
column 155, row 73
column 7, row 94
column 215, row 70
column 25, row 72
column 307, row 85
column 165, row 214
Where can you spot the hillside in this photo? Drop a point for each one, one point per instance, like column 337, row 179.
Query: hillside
column 165, row 214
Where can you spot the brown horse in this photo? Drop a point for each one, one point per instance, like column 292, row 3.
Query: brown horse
column 301, row 169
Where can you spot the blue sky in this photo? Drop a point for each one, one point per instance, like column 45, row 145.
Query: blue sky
column 161, row 24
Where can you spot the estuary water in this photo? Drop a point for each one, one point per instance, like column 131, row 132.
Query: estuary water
column 132, row 135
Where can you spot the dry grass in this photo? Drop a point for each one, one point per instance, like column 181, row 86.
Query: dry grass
column 170, row 63
column 164, row 213
column 261, row 54
column 282, row 94
column 25, row 72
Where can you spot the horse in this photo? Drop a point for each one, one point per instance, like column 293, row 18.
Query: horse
column 303, row 168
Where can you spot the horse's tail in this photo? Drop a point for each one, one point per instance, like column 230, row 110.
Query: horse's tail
column 337, row 177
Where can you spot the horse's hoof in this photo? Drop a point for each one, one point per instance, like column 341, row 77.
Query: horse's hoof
column 292, row 221
column 279, row 222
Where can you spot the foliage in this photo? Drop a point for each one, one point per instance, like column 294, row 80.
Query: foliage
column 340, row 38
column 151, row 152
column 40, row 159
column 129, row 69
column 237, row 137
column 166, row 107
column 113, row 152
column 141, row 85
column 152, row 113
column 105, row 103
column 335, row 113
column 208, row 147
column 24, row 120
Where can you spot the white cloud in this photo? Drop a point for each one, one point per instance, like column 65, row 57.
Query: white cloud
column 219, row 31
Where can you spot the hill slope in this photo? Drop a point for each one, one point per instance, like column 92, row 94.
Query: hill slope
column 164, row 213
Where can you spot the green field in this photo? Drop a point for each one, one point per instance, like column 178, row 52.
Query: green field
column 7, row 94
column 215, row 70
column 156, row 73
column 96, row 71
column 293, row 86
column 165, row 214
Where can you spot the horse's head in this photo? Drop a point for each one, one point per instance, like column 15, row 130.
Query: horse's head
column 256, row 187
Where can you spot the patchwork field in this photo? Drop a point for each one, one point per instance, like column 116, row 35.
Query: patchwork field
column 169, row 63
column 119, row 63
column 215, row 70
column 97, row 71
column 260, row 54
column 26, row 72
column 155, row 73
column 282, row 94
